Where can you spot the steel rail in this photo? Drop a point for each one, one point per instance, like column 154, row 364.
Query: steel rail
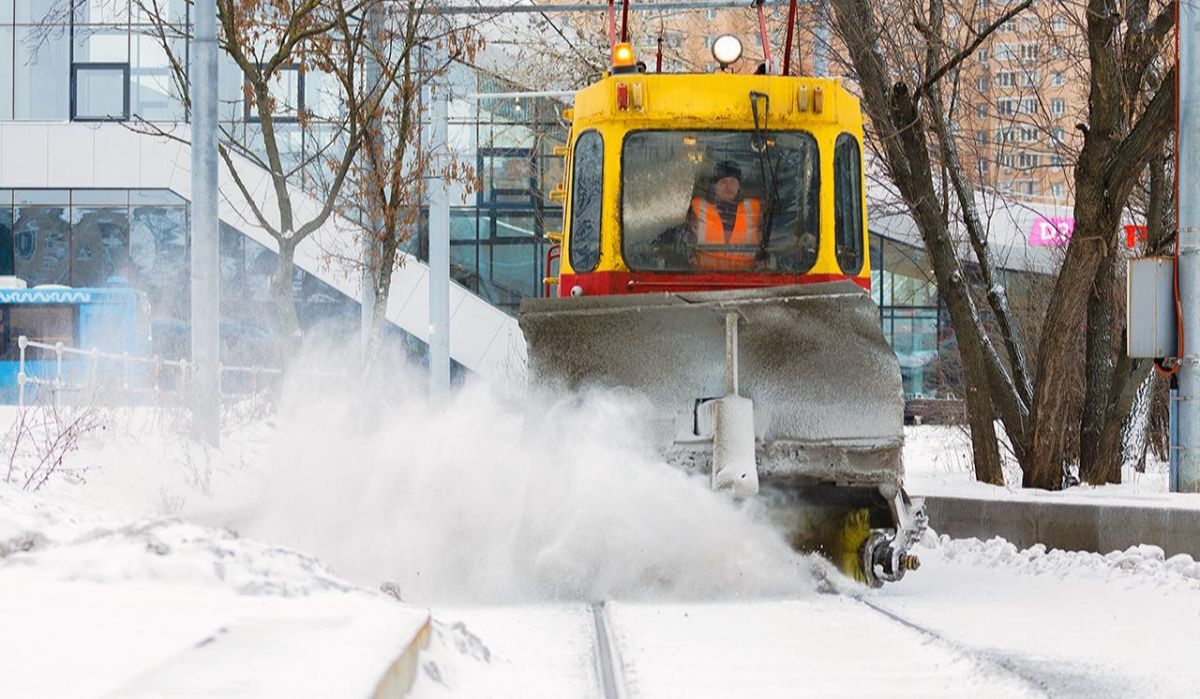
column 606, row 654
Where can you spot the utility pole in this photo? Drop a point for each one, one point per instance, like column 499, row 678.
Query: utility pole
column 439, row 230
column 1188, row 173
column 205, row 279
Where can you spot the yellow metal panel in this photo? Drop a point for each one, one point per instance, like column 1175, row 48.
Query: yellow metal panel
column 713, row 101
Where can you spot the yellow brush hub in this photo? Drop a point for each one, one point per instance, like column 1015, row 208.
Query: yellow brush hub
column 836, row 533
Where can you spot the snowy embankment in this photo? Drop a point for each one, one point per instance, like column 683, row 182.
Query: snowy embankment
column 104, row 589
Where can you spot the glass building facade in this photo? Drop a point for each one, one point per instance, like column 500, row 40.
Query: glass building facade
column 497, row 235
column 910, row 312
column 95, row 238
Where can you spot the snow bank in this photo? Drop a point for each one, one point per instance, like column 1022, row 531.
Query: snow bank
column 1144, row 564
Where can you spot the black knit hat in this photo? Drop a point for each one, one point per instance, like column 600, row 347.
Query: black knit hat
column 726, row 168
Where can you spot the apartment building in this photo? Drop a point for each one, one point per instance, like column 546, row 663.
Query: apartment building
column 1016, row 99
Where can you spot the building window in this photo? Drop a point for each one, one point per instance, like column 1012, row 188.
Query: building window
column 100, row 92
column 40, row 88
column 1028, row 105
column 1057, row 189
column 1058, row 79
column 1056, row 160
column 1058, row 52
column 1028, row 133
column 1027, row 161
column 1057, row 107
column 1004, row 79
column 981, row 168
column 847, row 198
column 1059, row 134
column 286, row 90
column 710, row 13
column 981, row 83
column 981, row 111
column 1029, row 78
column 1028, row 188
column 587, row 190
column 1029, row 52
column 981, row 138
column 1006, row 107
column 1059, row 23
column 708, row 41
column 981, row 55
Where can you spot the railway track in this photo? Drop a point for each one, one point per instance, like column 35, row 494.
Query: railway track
column 824, row 645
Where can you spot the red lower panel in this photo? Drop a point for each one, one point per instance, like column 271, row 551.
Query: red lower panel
column 612, row 283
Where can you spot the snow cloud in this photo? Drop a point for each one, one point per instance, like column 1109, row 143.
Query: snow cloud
column 500, row 498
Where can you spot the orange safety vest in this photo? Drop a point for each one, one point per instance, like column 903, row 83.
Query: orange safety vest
column 747, row 230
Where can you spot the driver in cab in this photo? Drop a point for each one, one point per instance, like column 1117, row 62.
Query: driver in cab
column 723, row 218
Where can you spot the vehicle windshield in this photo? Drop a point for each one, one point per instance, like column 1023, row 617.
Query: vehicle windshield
column 720, row 201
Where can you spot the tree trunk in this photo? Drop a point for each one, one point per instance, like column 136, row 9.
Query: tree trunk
column 1098, row 369
column 382, row 277
column 285, row 304
column 1059, row 347
column 921, row 195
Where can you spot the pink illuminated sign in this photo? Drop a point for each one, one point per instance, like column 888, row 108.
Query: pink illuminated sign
column 1052, row 231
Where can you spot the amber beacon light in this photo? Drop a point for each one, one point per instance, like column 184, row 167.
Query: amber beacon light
column 623, row 55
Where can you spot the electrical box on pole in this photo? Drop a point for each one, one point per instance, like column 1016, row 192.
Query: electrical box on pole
column 1151, row 330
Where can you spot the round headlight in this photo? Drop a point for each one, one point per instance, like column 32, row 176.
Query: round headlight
column 727, row 49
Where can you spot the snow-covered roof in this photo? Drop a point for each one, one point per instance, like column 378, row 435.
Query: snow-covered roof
column 1008, row 223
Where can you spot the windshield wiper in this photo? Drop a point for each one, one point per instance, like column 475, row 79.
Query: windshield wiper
column 759, row 144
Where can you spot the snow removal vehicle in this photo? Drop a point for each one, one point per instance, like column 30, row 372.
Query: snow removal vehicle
column 714, row 259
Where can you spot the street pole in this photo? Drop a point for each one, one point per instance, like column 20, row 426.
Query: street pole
column 1189, row 245
column 439, row 231
column 206, row 324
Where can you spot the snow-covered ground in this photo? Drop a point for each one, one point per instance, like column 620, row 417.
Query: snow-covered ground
column 107, row 590
column 507, row 517
column 937, row 461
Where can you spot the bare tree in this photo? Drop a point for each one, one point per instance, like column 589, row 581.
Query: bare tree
column 1131, row 99
column 901, row 85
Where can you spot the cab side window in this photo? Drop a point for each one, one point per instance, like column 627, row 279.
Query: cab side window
column 847, row 204
column 587, row 188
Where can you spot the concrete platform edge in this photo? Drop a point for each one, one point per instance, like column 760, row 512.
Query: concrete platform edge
column 398, row 679
column 1069, row 526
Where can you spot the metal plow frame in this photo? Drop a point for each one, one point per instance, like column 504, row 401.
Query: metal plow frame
column 811, row 360
column 828, row 403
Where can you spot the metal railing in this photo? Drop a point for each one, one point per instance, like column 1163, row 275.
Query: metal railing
column 128, row 375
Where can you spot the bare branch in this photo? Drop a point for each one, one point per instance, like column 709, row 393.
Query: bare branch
column 970, row 48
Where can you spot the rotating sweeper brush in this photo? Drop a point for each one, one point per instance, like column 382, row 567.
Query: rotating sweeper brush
column 714, row 260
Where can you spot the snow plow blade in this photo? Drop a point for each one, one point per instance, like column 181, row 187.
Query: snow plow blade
column 825, row 385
